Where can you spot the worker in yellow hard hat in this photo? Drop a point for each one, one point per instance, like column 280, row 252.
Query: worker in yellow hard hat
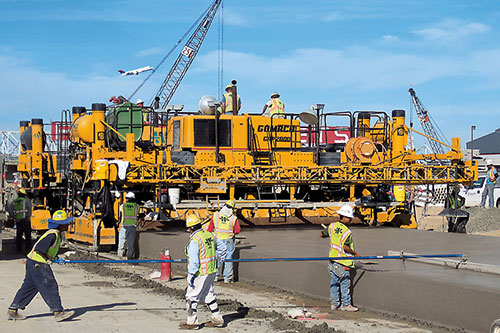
column 275, row 105
column 202, row 265
column 341, row 245
column 20, row 211
column 39, row 277
column 227, row 100
column 225, row 226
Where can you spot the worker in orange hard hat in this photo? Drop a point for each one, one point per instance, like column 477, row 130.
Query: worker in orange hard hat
column 227, row 101
column 275, row 105
column 341, row 245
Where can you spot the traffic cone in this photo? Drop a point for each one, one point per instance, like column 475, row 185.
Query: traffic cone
column 166, row 267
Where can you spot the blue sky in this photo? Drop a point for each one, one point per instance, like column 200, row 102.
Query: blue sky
column 349, row 55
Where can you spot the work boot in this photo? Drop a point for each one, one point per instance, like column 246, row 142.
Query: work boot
column 63, row 315
column 349, row 308
column 217, row 320
column 14, row 315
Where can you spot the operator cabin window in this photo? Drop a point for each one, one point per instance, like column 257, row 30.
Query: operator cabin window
column 204, row 133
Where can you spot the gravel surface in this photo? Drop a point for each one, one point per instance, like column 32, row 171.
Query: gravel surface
column 483, row 219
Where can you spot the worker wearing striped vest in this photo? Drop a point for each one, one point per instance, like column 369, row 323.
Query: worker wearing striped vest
column 39, row 277
column 128, row 222
column 276, row 107
column 489, row 188
column 227, row 101
column 341, row 245
column 202, row 265
column 225, row 225
column 20, row 210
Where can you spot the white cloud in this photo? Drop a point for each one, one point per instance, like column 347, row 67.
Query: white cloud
column 234, row 18
column 390, row 38
column 150, row 52
column 449, row 30
column 333, row 16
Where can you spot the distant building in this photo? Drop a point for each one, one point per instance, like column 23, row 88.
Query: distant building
column 488, row 146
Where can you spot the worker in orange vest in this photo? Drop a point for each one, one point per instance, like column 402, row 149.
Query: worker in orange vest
column 275, row 105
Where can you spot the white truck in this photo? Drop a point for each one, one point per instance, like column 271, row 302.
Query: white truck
column 473, row 194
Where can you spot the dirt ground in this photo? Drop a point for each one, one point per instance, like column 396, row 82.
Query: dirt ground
column 123, row 298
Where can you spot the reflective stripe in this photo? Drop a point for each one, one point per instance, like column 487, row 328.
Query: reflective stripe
column 224, row 226
column 129, row 212
column 207, row 254
column 339, row 234
column 20, row 208
column 277, row 106
column 53, row 249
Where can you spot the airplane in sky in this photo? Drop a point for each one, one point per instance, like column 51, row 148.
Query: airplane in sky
column 136, row 71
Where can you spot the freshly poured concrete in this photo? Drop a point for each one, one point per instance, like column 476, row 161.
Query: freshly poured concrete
column 446, row 296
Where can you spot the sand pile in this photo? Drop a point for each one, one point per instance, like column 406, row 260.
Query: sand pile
column 483, row 219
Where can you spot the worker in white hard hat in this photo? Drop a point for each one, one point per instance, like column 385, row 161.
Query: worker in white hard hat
column 225, row 226
column 341, row 245
column 275, row 105
column 491, row 180
column 140, row 103
column 202, row 265
column 226, row 105
column 127, row 215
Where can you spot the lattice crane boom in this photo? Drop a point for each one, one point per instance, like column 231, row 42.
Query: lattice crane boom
column 425, row 121
column 185, row 58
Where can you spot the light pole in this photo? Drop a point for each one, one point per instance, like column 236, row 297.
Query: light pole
column 472, row 128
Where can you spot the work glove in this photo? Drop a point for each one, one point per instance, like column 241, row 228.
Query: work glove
column 190, row 280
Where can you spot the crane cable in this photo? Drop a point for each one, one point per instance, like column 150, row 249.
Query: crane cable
column 170, row 52
column 220, row 54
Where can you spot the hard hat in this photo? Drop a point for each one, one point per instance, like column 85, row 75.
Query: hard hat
column 275, row 94
column 489, row 162
column 346, row 211
column 192, row 220
column 59, row 218
column 21, row 190
column 130, row 195
column 139, row 101
column 230, row 203
column 228, row 87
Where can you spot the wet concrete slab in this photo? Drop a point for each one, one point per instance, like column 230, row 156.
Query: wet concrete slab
column 446, row 296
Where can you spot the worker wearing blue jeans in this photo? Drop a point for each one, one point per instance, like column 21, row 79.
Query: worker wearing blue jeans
column 340, row 282
column 489, row 189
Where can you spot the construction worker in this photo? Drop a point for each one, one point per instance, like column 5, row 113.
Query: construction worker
column 127, row 215
column 491, row 180
column 227, row 101
column 20, row 210
column 225, row 225
column 39, row 277
column 140, row 103
column 275, row 105
column 202, row 265
column 341, row 245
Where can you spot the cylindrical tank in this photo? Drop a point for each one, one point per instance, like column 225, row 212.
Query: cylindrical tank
column 363, row 124
column 98, row 116
column 36, row 135
column 399, row 135
column 207, row 104
column 23, row 125
column 82, row 129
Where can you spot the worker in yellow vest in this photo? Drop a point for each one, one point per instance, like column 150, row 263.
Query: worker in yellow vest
column 341, row 245
column 225, row 226
column 20, row 210
column 276, row 107
column 202, row 265
column 39, row 277
column 128, row 225
column 227, row 101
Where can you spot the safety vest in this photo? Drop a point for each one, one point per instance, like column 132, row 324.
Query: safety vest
column 53, row 249
column 20, row 208
column 491, row 175
column 224, row 226
column 229, row 103
column 277, row 106
column 129, row 212
column 339, row 234
column 206, row 244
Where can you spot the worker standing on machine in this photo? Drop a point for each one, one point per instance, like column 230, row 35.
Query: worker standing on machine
column 227, row 101
column 275, row 105
column 128, row 222
column 39, row 277
column 341, row 245
column 202, row 265
column 225, row 225
column 20, row 210
column 491, row 180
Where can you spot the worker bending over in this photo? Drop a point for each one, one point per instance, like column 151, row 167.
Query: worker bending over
column 224, row 226
column 39, row 277
column 227, row 101
column 341, row 245
column 128, row 223
column 276, row 107
column 202, row 265
column 20, row 210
